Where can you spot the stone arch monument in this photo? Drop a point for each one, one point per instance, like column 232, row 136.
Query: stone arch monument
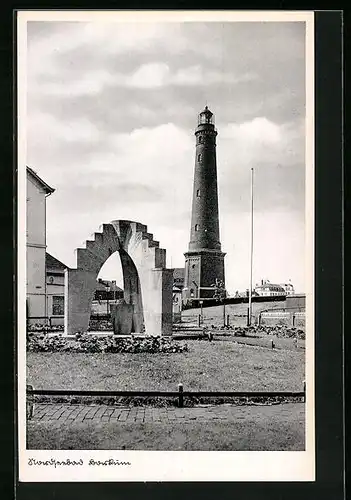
column 147, row 282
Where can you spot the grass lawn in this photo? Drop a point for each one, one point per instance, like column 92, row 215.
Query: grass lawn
column 252, row 434
column 218, row 365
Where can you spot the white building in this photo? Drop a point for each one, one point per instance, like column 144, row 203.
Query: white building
column 37, row 192
column 268, row 289
column 106, row 293
column 289, row 288
column 55, row 290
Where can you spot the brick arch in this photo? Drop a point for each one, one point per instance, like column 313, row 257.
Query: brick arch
column 147, row 282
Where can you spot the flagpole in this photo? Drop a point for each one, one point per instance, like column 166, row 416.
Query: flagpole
column 251, row 252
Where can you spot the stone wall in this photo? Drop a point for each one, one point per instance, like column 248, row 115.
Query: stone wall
column 287, row 318
column 272, row 318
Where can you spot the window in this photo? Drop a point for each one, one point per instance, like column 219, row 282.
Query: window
column 198, row 193
column 199, row 157
column 58, row 305
column 196, row 227
column 193, row 266
column 191, row 292
column 51, row 280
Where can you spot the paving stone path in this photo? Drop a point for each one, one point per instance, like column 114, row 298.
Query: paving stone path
column 147, row 414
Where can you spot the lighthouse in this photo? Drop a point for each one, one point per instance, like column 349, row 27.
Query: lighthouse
column 204, row 260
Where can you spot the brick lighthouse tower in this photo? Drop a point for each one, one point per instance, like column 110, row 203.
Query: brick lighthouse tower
column 204, row 261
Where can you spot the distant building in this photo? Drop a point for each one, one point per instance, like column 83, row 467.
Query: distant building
column 178, row 277
column 106, row 289
column 55, row 289
column 37, row 192
column 268, row 289
column 289, row 288
column 244, row 294
column 106, row 293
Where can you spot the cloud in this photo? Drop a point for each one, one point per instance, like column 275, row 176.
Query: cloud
column 275, row 152
column 64, row 43
column 159, row 75
column 57, row 145
column 261, row 140
column 258, row 131
column 88, row 84
column 108, row 72
column 147, row 76
column 80, row 130
column 198, row 75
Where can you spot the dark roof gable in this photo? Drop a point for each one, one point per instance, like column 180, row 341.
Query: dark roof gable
column 53, row 263
column 102, row 284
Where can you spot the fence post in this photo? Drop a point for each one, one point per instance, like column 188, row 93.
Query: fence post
column 29, row 401
column 293, row 319
column 180, row 397
column 304, row 391
column 199, row 320
column 227, row 319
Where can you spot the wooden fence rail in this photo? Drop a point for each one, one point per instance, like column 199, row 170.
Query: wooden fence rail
column 180, row 394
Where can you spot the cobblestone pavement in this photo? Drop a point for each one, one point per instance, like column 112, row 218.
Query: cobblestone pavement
column 147, row 414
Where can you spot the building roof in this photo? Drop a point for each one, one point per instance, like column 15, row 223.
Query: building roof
column 53, row 263
column 102, row 284
column 270, row 286
column 46, row 187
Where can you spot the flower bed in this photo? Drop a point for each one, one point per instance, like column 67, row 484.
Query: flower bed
column 37, row 327
column 279, row 331
column 100, row 325
column 160, row 402
column 111, row 344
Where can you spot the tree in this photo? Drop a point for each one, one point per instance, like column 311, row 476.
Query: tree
column 220, row 294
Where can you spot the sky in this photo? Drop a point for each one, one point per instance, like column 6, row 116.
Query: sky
column 111, row 114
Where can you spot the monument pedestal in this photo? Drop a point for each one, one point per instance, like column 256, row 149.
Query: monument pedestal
column 122, row 318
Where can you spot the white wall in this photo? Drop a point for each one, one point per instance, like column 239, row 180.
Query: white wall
column 35, row 213
column 36, row 247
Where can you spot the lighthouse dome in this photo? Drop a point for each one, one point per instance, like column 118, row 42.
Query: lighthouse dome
column 206, row 116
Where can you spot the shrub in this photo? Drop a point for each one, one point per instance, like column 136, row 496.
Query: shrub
column 280, row 331
column 94, row 344
column 100, row 325
column 38, row 327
